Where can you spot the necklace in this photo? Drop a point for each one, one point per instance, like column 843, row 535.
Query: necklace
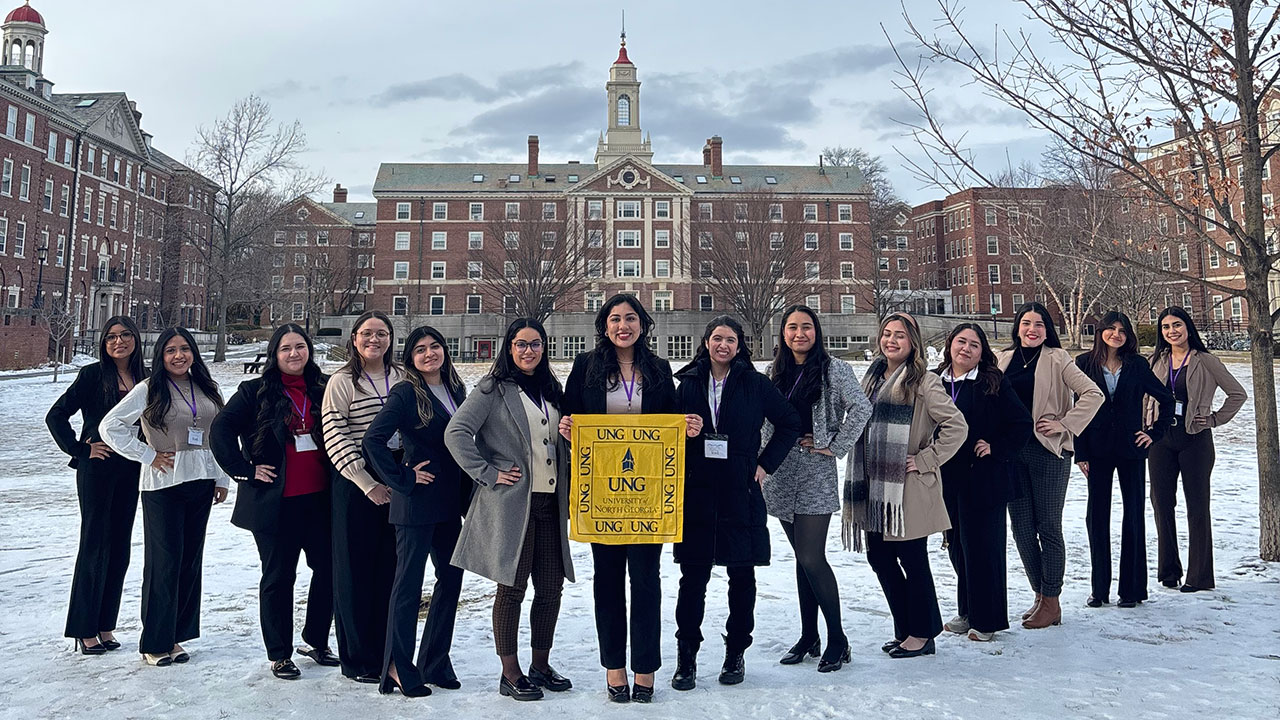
column 1025, row 361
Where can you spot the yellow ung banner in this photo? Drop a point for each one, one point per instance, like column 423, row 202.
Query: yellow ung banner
column 628, row 479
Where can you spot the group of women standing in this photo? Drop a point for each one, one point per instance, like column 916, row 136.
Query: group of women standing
column 374, row 470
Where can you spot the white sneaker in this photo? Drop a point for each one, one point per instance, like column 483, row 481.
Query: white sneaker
column 958, row 625
column 979, row 636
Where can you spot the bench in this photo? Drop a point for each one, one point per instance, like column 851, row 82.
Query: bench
column 255, row 365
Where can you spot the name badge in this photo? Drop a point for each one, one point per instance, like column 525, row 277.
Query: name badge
column 1177, row 409
column 304, row 443
column 716, row 447
column 195, row 436
column 394, row 443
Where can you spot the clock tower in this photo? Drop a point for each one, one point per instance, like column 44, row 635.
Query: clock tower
column 624, row 136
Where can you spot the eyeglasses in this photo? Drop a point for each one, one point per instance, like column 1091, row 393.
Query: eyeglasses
column 371, row 334
column 119, row 337
column 521, row 345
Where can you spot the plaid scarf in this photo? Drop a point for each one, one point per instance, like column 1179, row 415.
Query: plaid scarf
column 876, row 475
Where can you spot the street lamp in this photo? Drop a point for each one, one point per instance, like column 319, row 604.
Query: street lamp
column 42, row 256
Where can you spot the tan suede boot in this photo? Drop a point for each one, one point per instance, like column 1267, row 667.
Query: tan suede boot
column 1048, row 613
column 1031, row 610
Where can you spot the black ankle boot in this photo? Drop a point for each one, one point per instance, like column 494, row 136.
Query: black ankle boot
column 686, row 677
column 733, row 670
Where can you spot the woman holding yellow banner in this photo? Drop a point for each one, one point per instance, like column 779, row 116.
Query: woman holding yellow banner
column 623, row 376
column 724, row 511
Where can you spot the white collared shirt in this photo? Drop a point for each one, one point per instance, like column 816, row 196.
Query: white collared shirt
column 118, row 431
column 971, row 375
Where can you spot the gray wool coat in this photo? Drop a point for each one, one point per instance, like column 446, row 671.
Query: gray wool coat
column 488, row 433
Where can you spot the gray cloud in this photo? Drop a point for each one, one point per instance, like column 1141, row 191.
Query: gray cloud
column 459, row 86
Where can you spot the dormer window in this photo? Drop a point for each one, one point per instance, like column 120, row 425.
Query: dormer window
column 477, row 178
column 702, row 179
column 513, row 177
column 735, row 179
column 573, row 178
column 770, row 180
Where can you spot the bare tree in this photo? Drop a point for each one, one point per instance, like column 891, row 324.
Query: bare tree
column 59, row 320
column 1135, row 69
column 536, row 259
column 257, row 167
column 752, row 260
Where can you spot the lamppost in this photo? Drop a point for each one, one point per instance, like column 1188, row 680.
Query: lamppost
column 310, row 281
column 42, row 256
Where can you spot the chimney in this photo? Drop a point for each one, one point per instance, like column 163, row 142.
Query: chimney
column 1179, row 129
column 717, row 156
column 706, row 153
column 339, row 193
column 533, row 156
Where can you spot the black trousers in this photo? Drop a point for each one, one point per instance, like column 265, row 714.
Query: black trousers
column 1133, row 531
column 364, row 565
column 108, row 494
column 613, row 563
column 691, row 604
column 977, row 543
column 540, row 558
column 1191, row 456
column 903, row 569
column 174, row 521
column 303, row 527
column 414, row 544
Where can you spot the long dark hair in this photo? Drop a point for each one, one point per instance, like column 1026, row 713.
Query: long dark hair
column 1098, row 355
column 1050, row 329
column 158, row 397
column 1193, row 336
column 785, row 360
column 504, row 368
column 421, row 393
column 603, row 370
column 989, row 374
column 110, row 375
column 702, row 359
column 353, row 364
column 274, row 406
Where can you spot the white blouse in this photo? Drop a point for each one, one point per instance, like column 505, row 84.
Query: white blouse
column 119, row 431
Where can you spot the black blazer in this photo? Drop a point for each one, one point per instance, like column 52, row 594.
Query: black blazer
column 257, row 507
column 84, row 396
column 445, row 498
column 1111, row 432
column 580, row 398
column 1005, row 423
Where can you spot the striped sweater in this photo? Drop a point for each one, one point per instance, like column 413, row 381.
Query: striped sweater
column 346, row 414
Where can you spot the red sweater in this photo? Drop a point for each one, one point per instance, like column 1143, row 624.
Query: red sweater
column 304, row 472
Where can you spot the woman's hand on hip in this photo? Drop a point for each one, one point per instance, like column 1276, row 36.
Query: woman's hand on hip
column 264, row 473
column 509, row 477
column 760, row 476
column 99, row 450
column 420, row 476
column 163, row 461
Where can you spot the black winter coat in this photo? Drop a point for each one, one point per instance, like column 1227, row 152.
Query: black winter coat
column 1112, row 431
column 85, row 396
column 231, row 438
column 579, row 398
column 446, row 497
column 724, row 513
column 1005, row 423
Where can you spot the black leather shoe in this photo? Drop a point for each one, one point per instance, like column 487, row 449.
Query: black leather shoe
column 83, row 649
column 928, row 649
column 641, row 694
column 368, row 678
column 734, row 668
column 1094, row 602
column 890, row 646
column 619, row 693
column 321, row 656
column 109, row 644
column 549, row 679
column 522, row 689
column 391, row 685
column 803, row 648
column 826, row 665
column 1170, row 583
column 285, row 669
column 1192, row 588
column 447, row 684
column 1128, row 603
column 686, row 676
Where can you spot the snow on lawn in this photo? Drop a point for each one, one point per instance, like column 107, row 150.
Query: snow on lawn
column 1207, row 654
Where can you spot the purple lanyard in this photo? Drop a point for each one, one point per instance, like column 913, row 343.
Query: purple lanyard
column 1173, row 376
column 955, row 392
column 630, row 389
column 386, row 381
column 715, row 403
column 796, row 384
column 302, row 411
column 542, row 405
column 189, row 403
column 448, row 396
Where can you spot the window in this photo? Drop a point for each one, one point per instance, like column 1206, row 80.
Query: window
column 511, row 240
column 477, row 211
column 662, row 209
column 679, row 346
column 1018, row 300
column 1015, row 275
column 1215, row 259
column 846, row 241
column 848, row 304
column 846, row 271
column 811, row 270
column 662, row 300
column 115, row 208
column 740, row 239
column 474, row 270
column 475, row 240
column 548, row 211
column 1217, row 308
column 846, row 213
column 595, row 209
column 595, row 268
column 628, row 268
column 29, row 134
column 66, row 152
column 811, row 241
column 435, row 305
column 439, row 241
column 300, row 237
column 51, row 151
column 775, row 212
column 1184, row 259
column 1164, row 258
column 277, row 261
column 662, row 269
column 993, row 274
column 509, row 270
column 437, row 270
column 811, row 213
column 513, row 178
column 706, row 269
column 624, row 110
column 548, row 240
column 739, row 211
column 990, row 218
column 322, row 237
column 902, row 264
column 662, row 238
column 513, row 211
column 734, row 179
column 115, row 176
column 474, row 304
column 628, row 208
column 997, row 304
column 299, row 282
column 700, row 179
column 705, row 303
column 882, row 263
column 573, row 177
column 402, row 211
column 1237, row 309
column 401, row 271
column 993, row 245
column 299, row 259
column 704, row 240
column 48, row 195
column 4, row 235
column 595, row 238
column 439, row 211
column 24, row 187
column 775, row 241
column 628, row 238
column 400, row 305
column 1186, row 301
column 477, row 178
column 704, row 211
column 1231, row 249
column 904, row 284
column 278, row 240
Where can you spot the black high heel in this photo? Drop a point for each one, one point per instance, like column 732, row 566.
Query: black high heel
column 801, row 650
column 391, row 685
column 826, row 666
column 98, row 649
column 108, row 644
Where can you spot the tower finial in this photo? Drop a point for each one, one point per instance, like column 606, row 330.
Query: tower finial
column 624, row 28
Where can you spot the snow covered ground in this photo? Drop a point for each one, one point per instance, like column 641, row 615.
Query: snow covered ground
column 1212, row 654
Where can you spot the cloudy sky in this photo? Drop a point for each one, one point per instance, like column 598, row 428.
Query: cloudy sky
column 401, row 81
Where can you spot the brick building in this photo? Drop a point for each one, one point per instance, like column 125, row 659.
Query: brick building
column 86, row 207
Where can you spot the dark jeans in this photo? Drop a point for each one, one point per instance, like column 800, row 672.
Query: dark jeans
column 977, row 544
column 303, row 526
column 1133, row 531
column 414, row 544
column 691, row 604
column 1191, row 456
column 108, row 505
column 902, row 567
column 613, row 563
column 174, row 521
